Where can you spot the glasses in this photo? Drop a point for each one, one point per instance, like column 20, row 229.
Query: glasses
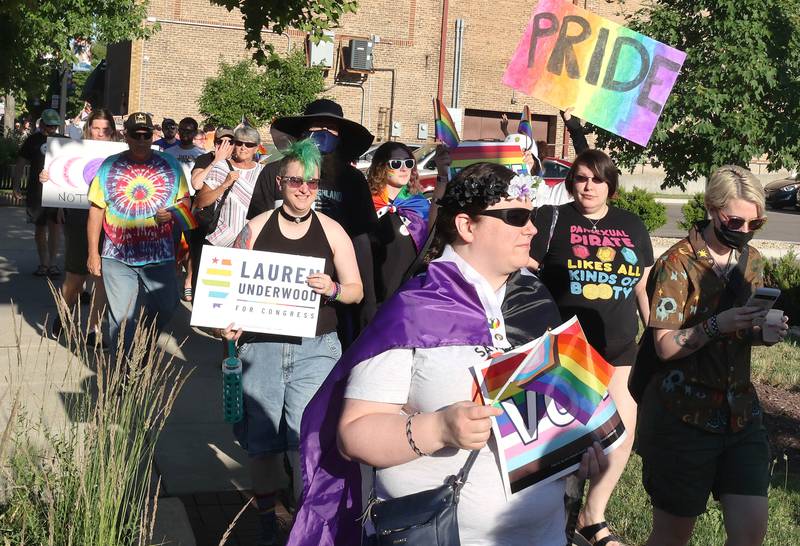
column 295, row 182
column 245, row 144
column 512, row 217
column 584, row 179
column 396, row 164
column 735, row 223
column 219, row 141
column 141, row 136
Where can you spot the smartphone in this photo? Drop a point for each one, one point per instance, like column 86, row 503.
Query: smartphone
column 763, row 298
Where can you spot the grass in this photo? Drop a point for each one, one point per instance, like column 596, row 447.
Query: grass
column 778, row 365
column 87, row 480
column 630, row 512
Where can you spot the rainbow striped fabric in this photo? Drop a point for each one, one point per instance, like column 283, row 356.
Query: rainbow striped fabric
column 446, row 131
column 183, row 216
column 525, row 127
column 575, row 374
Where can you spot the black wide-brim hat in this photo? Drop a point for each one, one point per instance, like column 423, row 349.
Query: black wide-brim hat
column 354, row 138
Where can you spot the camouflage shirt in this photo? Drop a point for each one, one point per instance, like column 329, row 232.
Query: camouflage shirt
column 711, row 387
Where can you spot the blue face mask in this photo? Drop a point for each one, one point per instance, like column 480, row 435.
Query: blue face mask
column 326, row 141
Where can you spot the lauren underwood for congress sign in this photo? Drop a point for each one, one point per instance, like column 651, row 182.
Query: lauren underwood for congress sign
column 614, row 77
column 263, row 292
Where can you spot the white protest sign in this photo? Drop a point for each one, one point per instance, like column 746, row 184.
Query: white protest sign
column 71, row 166
column 263, row 292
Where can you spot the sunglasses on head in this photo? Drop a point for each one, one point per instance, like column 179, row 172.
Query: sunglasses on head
column 146, row 135
column 512, row 217
column 735, row 223
column 396, row 164
column 581, row 179
column 245, row 144
column 295, row 182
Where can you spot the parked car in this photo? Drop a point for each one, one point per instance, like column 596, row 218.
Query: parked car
column 783, row 193
column 365, row 159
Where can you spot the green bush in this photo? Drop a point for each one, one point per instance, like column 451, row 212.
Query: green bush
column 694, row 211
column 643, row 204
column 9, row 147
column 784, row 273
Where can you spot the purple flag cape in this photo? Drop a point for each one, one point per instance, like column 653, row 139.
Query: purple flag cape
column 437, row 309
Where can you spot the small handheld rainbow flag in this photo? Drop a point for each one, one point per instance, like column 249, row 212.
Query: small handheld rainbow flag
column 525, row 127
column 183, row 216
column 446, row 132
column 579, row 378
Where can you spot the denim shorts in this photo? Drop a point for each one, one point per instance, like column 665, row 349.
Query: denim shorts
column 278, row 381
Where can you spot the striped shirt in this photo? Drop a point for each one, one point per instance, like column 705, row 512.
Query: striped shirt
column 233, row 214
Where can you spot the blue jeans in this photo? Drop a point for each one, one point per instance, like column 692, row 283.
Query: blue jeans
column 278, row 381
column 129, row 288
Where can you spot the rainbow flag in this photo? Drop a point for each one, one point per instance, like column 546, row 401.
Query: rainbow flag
column 579, row 377
column 525, row 127
column 183, row 216
column 446, row 131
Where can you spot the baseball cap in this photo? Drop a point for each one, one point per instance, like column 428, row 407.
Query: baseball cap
column 168, row 122
column 51, row 117
column 223, row 132
column 138, row 121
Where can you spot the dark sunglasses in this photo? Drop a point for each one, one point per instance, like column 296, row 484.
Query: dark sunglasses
column 141, row 136
column 295, row 182
column 219, row 141
column 396, row 164
column 512, row 217
column 245, row 144
column 583, row 179
column 735, row 223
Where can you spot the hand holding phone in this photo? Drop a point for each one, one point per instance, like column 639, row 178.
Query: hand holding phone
column 763, row 298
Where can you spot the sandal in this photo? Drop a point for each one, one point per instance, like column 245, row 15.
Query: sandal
column 53, row 271
column 41, row 271
column 589, row 531
column 187, row 294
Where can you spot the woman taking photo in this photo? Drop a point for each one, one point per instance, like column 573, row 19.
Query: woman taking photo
column 700, row 428
column 402, row 213
column 403, row 403
column 592, row 256
column 282, row 373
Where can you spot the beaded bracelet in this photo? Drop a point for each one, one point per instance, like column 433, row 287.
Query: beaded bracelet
column 707, row 330
column 337, row 291
column 410, row 439
column 712, row 322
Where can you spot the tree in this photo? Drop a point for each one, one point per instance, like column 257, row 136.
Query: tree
column 35, row 35
column 312, row 16
column 738, row 95
column 244, row 89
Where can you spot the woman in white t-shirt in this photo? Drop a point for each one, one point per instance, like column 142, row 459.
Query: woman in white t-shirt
column 239, row 174
column 421, row 382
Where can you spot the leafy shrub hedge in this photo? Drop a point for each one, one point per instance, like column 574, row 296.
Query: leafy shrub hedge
column 784, row 273
column 694, row 211
column 643, row 204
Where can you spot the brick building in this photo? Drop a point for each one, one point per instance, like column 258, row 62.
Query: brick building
column 165, row 74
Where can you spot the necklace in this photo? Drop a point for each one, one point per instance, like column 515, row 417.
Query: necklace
column 722, row 272
column 592, row 221
column 295, row 219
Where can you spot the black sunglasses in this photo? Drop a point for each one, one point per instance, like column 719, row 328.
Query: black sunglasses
column 245, row 144
column 147, row 135
column 396, row 164
column 735, row 223
column 512, row 217
column 219, row 141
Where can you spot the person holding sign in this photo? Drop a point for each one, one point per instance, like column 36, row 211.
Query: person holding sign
column 591, row 256
column 402, row 397
column 282, row 373
column 701, row 428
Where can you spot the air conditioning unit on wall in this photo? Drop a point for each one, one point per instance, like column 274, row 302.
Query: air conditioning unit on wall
column 359, row 55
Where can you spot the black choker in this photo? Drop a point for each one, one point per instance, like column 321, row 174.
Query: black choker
column 295, row 219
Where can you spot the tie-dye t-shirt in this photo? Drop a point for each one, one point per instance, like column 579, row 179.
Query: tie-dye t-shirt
column 131, row 192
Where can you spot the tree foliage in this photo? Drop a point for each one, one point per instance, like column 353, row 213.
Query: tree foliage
column 244, row 89
column 738, row 95
column 311, row 16
column 35, row 35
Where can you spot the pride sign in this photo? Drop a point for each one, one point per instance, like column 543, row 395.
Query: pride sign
column 614, row 77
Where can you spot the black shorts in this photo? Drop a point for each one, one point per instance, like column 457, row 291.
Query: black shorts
column 76, row 249
column 41, row 216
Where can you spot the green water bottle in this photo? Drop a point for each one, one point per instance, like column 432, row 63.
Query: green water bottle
column 232, row 386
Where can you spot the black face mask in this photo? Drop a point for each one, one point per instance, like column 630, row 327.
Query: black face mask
column 732, row 239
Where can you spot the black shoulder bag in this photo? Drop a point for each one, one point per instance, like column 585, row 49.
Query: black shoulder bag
column 208, row 217
column 426, row 518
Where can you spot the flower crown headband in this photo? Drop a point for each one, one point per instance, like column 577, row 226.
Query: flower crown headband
column 479, row 191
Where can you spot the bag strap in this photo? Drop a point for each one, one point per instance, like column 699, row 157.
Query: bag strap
column 461, row 477
column 553, row 223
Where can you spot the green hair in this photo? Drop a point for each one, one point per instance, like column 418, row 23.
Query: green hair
column 304, row 152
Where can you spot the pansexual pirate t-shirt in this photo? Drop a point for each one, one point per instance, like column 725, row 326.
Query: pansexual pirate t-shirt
column 591, row 268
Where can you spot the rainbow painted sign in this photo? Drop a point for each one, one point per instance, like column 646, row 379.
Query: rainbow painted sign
column 614, row 77
column 503, row 153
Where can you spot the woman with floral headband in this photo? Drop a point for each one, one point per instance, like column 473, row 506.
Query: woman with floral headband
column 402, row 213
column 401, row 398
column 592, row 256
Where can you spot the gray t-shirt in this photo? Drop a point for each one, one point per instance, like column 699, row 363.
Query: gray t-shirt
column 428, row 380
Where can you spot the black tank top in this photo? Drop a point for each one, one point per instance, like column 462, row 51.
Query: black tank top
column 313, row 243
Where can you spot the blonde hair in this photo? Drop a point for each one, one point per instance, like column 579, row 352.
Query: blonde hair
column 733, row 182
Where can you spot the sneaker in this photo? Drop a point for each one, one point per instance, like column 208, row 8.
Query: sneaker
column 41, row 271
column 53, row 271
column 56, row 328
